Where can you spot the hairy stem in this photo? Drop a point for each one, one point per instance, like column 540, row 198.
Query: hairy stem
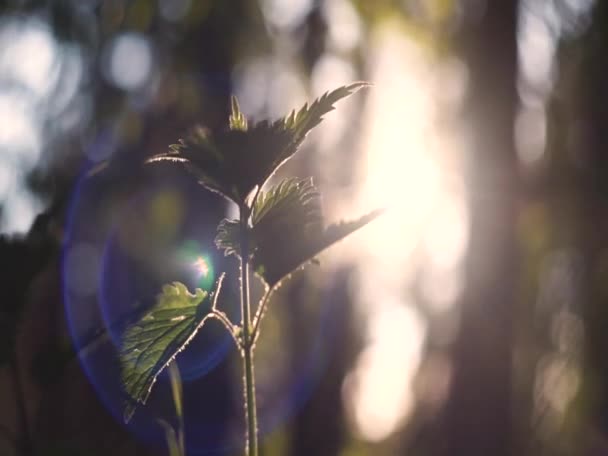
column 257, row 319
column 224, row 320
column 249, row 379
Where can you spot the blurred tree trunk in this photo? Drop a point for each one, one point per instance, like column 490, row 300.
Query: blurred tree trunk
column 477, row 418
column 593, row 200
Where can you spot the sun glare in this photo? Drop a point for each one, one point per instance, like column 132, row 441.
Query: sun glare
column 201, row 266
column 407, row 169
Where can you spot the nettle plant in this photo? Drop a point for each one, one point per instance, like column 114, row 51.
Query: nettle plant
column 279, row 230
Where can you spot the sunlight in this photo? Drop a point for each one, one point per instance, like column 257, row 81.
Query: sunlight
column 257, row 80
column 285, row 14
column 19, row 130
column 398, row 175
column 20, row 211
column 332, row 71
column 344, row 24
column 27, row 82
column 536, row 42
column 410, row 166
column 37, row 72
column 201, row 266
column 376, row 387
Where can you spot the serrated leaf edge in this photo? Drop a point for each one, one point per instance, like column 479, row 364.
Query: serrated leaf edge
column 132, row 403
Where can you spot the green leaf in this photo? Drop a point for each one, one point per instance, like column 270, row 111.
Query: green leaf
column 300, row 123
column 201, row 157
column 286, row 230
column 291, row 196
column 275, row 260
column 151, row 344
column 304, row 120
column 235, row 160
column 237, row 119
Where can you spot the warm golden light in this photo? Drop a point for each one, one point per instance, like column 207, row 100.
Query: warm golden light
column 410, row 166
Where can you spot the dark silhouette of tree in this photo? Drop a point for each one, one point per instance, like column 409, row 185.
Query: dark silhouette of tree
column 478, row 411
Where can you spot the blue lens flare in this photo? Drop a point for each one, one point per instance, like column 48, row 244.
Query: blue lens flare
column 120, row 248
column 309, row 368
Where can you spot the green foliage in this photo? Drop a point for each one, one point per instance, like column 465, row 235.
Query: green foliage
column 286, row 230
column 274, row 209
column 308, row 117
column 152, row 343
column 237, row 160
column 278, row 232
column 291, row 204
column 237, row 119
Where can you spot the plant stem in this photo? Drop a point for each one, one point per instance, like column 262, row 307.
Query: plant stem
column 249, row 379
column 224, row 320
column 257, row 319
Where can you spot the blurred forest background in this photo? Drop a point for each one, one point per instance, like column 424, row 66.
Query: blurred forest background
column 472, row 319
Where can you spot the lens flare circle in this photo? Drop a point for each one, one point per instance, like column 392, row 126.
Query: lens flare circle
column 137, row 247
column 105, row 291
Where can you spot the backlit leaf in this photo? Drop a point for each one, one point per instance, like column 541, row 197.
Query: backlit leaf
column 274, row 260
column 234, row 160
column 237, row 120
column 308, row 117
column 151, row 344
column 286, row 230
column 276, row 207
